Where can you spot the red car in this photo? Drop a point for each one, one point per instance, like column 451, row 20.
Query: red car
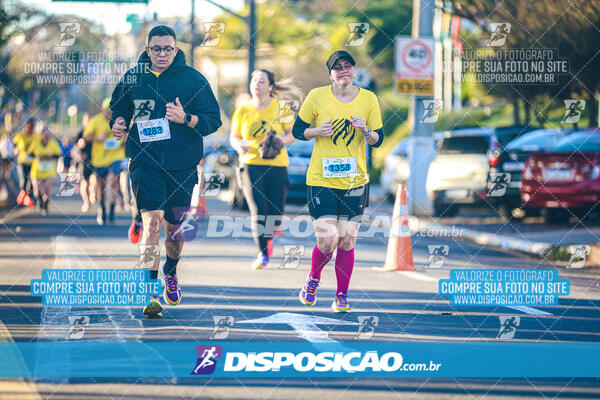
column 566, row 179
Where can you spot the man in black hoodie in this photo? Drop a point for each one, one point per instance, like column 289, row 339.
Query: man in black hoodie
column 166, row 107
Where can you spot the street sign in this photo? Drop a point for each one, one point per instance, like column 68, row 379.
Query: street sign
column 414, row 66
column 106, row 1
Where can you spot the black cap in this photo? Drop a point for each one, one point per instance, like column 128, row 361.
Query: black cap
column 336, row 56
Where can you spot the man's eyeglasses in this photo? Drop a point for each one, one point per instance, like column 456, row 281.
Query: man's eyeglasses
column 157, row 50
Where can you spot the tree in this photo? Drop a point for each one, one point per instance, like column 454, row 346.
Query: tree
column 570, row 26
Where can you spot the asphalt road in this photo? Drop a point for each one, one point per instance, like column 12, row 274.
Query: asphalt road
column 217, row 281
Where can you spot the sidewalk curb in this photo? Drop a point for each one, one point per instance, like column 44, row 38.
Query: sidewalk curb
column 504, row 242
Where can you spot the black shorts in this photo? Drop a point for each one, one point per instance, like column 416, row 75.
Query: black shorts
column 170, row 191
column 337, row 203
column 85, row 169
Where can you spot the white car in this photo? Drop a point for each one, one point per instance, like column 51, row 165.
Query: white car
column 396, row 167
column 458, row 173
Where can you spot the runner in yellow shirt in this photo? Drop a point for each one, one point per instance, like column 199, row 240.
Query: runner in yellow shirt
column 344, row 117
column 107, row 156
column 264, row 180
column 45, row 150
column 22, row 141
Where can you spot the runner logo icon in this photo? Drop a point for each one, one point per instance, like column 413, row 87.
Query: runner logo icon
column 77, row 325
column 498, row 183
column 579, row 255
column 573, row 111
column 222, row 326
column 68, row 33
column 367, row 326
column 288, row 109
column 358, row 33
column 499, row 33
column 143, row 109
column 292, row 254
column 68, row 183
column 431, row 111
column 508, row 327
column 207, row 359
column 212, row 33
column 437, row 255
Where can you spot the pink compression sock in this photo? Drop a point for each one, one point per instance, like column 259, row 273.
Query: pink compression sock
column 344, row 264
column 319, row 260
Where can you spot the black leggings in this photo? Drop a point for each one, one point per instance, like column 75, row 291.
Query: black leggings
column 24, row 170
column 265, row 190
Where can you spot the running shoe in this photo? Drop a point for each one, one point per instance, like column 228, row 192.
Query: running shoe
column 340, row 303
column 269, row 248
column 308, row 294
column 28, row 201
column 260, row 262
column 172, row 292
column 135, row 232
column 153, row 309
column 21, row 197
column 111, row 214
column 101, row 216
column 85, row 207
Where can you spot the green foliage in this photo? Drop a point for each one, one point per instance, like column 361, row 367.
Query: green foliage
column 388, row 18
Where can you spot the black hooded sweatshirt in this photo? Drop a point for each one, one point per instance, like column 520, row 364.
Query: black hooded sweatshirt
column 140, row 95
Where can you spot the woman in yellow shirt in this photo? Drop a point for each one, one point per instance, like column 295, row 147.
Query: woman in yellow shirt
column 264, row 180
column 22, row 141
column 46, row 151
column 344, row 117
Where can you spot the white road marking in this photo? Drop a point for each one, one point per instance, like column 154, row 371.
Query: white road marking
column 54, row 324
column 418, row 276
column 304, row 325
column 529, row 310
column 523, row 309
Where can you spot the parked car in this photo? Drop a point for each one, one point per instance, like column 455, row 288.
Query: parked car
column 566, row 179
column 396, row 166
column 511, row 160
column 506, row 134
column 395, row 169
column 299, row 153
column 458, row 173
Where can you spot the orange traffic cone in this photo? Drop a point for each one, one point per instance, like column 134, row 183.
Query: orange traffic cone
column 399, row 249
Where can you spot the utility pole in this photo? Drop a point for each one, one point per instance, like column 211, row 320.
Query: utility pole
column 251, row 41
column 420, row 150
column 251, row 22
column 192, row 32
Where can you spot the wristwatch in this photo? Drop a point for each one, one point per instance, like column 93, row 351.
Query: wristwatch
column 187, row 119
column 366, row 135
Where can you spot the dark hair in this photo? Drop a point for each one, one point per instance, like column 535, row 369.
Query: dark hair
column 279, row 87
column 161, row 30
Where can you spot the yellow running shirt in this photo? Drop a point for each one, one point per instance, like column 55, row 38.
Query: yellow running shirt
column 253, row 125
column 338, row 161
column 22, row 142
column 106, row 152
column 44, row 168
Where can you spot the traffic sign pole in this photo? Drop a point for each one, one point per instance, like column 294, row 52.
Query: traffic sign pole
column 420, row 154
